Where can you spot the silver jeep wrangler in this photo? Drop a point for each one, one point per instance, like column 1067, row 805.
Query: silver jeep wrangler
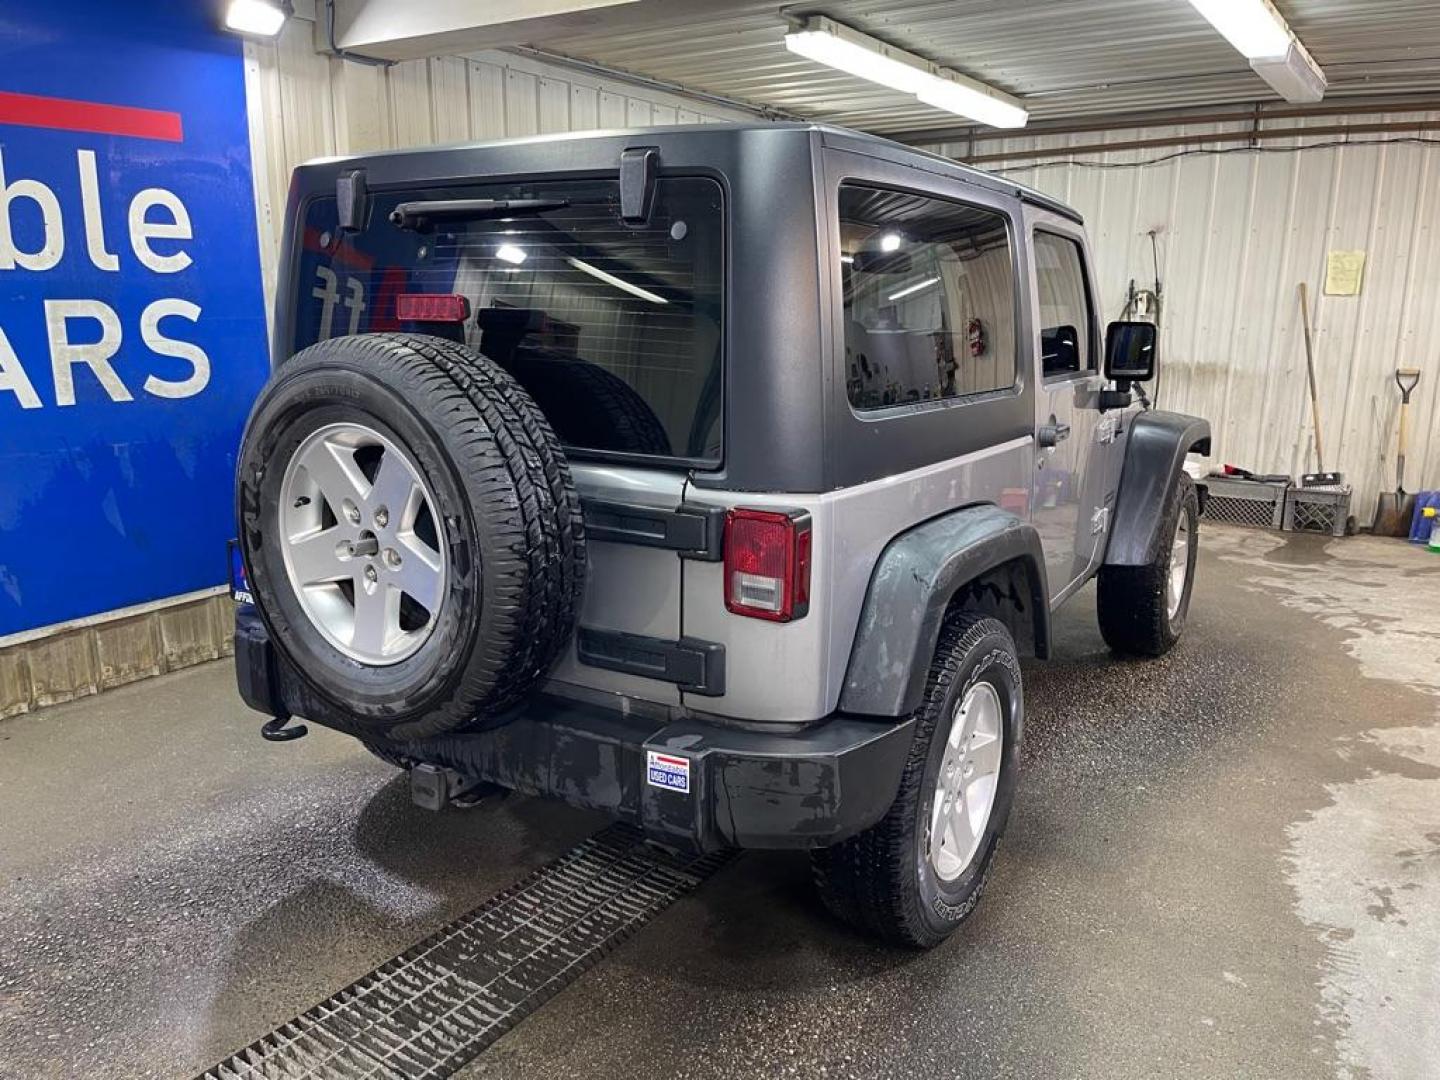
column 715, row 477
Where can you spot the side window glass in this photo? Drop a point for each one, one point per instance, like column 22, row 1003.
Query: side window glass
column 1065, row 331
column 929, row 292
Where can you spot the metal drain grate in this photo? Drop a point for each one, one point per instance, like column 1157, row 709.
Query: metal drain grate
column 433, row 1008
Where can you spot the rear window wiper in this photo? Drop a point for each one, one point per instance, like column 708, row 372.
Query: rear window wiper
column 422, row 214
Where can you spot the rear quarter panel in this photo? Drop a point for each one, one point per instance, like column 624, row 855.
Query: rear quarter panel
column 795, row 671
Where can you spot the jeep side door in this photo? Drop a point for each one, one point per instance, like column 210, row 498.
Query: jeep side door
column 1074, row 484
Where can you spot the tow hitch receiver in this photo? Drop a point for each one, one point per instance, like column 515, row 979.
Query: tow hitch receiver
column 434, row 788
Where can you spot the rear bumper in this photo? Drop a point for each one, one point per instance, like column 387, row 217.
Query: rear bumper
column 688, row 782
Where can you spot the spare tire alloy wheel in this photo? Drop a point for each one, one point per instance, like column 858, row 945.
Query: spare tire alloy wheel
column 363, row 549
column 412, row 536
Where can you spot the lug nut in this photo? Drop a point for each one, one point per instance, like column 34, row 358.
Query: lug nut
column 370, row 574
column 352, row 513
column 382, row 517
column 392, row 558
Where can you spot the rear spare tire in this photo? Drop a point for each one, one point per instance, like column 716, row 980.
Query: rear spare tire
column 411, row 534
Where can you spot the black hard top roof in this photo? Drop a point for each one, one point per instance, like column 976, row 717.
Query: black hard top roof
column 831, row 135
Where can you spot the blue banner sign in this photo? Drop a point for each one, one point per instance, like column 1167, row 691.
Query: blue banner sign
column 132, row 328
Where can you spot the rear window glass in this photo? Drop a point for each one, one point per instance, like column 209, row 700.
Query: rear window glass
column 614, row 329
column 929, row 291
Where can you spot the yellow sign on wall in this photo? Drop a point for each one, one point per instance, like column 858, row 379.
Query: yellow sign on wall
column 1343, row 271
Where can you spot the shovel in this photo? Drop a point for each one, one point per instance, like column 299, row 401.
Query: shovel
column 1393, row 514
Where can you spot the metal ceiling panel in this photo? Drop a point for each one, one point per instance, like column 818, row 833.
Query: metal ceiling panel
column 1066, row 58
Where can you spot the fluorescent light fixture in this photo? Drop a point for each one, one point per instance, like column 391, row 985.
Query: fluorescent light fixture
column 910, row 289
column 1254, row 27
column 824, row 46
column 610, row 279
column 838, row 46
column 977, row 103
column 890, row 242
column 1295, row 76
column 511, row 254
column 258, row 18
column 1261, row 35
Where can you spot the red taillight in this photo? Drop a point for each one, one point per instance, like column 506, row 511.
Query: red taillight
column 767, row 564
column 432, row 307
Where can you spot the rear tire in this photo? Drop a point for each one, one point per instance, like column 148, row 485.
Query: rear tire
column 894, row 880
column 1142, row 609
column 588, row 405
column 504, row 527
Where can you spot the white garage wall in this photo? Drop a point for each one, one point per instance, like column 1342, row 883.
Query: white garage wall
column 1237, row 233
column 304, row 104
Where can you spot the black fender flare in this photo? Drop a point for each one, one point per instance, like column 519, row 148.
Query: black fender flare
column 914, row 580
column 1154, row 455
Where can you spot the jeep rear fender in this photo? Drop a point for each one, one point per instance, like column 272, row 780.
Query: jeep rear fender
column 915, row 579
column 1154, row 456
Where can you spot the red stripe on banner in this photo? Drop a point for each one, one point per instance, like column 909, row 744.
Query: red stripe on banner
column 671, row 760
column 65, row 114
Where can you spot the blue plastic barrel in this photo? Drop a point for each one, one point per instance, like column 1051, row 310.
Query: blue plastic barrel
column 1420, row 525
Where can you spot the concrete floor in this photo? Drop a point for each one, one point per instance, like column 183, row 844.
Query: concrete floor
column 1223, row 863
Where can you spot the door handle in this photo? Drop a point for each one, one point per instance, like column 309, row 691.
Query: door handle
column 1052, row 434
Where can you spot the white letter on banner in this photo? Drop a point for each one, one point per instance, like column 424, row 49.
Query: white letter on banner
column 94, row 221
column 142, row 231
column 13, row 377
column 161, row 345
column 64, row 356
column 54, row 247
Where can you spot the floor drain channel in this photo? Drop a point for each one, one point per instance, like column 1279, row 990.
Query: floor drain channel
column 437, row 1005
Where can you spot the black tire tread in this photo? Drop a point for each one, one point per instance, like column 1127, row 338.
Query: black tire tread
column 629, row 425
column 1131, row 601
column 863, row 880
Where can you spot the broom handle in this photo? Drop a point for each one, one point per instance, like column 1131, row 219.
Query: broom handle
column 1310, row 369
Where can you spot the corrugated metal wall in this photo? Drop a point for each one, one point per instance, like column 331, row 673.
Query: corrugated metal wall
column 1237, row 232
column 304, row 104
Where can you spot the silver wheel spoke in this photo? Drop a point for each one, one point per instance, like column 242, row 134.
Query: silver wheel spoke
column 375, row 613
column 419, row 574
column 333, row 470
column 397, row 490
column 313, row 557
column 959, row 831
column 984, row 754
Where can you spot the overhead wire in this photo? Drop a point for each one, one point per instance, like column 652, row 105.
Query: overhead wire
column 1214, row 151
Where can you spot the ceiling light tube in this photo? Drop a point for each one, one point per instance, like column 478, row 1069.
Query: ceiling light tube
column 838, row 46
column 910, row 289
column 1254, row 27
column 610, row 279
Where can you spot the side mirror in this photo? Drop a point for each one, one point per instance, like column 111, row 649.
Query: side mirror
column 1130, row 349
